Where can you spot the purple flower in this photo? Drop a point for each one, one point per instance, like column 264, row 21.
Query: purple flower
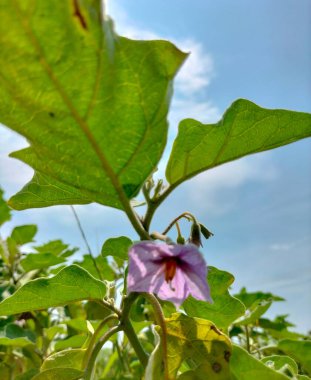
column 173, row 272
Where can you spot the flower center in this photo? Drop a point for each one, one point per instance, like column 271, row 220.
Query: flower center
column 170, row 270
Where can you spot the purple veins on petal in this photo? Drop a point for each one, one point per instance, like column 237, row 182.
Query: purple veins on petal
column 173, row 272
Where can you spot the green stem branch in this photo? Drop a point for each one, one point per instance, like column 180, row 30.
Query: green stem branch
column 91, row 361
column 133, row 339
column 160, row 320
column 95, row 336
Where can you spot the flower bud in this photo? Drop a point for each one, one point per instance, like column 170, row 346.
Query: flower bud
column 195, row 235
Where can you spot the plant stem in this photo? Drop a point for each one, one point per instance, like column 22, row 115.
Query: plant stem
column 133, row 339
column 160, row 320
column 248, row 347
column 95, row 337
column 86, row 242
column 91, row 362
column 129, row 331
column 183, row 215
column 153, row 204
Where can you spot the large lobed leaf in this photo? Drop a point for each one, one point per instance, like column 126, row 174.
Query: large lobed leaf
column 69, row 285
column 244, row 366
column 200, row 342
column 244, row 129
column 92, row 105
column 300, row 350
column 225, row 309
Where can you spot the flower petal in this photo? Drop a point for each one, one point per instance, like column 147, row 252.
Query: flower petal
column 144, row 269
column 175, row 292
column 197, row 285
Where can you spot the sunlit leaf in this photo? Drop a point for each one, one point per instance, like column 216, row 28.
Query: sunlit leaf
column 69, row 285
column 300, row 350
column 40, row 261
column 244, row 129
column 24, row 234
column 257, row 303
column 64, row 359
column 75, row 341
column 59, row 374
column 57, row 247
column 199, row 341
column 15, row 342
column 98, row 267
column 244, row 366
column 5, row 214
column 92, row 105
column 280, row 363
column 117, row 247
column 225, row 309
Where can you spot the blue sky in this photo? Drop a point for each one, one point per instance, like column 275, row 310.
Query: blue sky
column 258, row 207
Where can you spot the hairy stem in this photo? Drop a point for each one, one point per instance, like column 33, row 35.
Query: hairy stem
column 183, row 215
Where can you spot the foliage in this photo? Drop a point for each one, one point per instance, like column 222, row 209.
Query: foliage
column 93, row 107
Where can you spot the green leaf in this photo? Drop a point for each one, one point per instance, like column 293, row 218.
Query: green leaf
column 117, row 247
column 98, row 267
column 251, row 298
column 300, row 350
column 40, row 261
column 69, row 285
column 24, row 234
column 257, row 303
column 64, row 359
column 244, row 129
column 5, row 371
column 278, row 328
column 5, row 214
column 281, row 363
column 28, row 375
column 75, row 341
column 96, row 311
column 59, row 374
column 15, row 342
column 57, row 247
column 244, row 366
column 79, row 325
column 199, row 341
column 154, row 369
column 92, row 105
column 52, row 331
column 225, row 309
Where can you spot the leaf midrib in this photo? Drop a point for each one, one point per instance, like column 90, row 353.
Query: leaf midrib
column 80, row 122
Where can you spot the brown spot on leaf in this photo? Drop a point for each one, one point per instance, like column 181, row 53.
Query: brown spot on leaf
column 78, row 14
column 227, row 355
column 216, row 367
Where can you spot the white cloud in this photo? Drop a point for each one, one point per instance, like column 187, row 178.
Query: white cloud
column 281, row 247
column 198, row 70
column 211, row 185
